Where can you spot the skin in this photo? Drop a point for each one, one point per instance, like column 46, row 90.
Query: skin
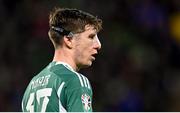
column 86, row 45
column 79, row 50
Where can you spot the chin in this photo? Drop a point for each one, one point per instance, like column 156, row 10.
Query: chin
column 89, row 63
column 85, row 65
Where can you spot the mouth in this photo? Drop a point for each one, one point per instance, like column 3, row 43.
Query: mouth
column 93, row 56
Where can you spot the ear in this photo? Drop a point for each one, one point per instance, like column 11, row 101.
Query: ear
column 68, row 42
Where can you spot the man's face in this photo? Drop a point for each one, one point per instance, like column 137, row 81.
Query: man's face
column 86, row 46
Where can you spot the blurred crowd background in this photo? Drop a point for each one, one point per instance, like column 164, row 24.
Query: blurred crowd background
column 138, row 68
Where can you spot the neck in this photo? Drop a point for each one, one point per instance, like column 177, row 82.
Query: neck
column 62, row 55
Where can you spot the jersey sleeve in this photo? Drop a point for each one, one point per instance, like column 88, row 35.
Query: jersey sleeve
column 79, row 97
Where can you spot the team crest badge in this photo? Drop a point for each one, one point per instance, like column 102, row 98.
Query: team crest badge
column 86, row 100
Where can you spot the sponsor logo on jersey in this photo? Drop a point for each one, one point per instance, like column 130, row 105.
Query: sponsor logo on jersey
column 40, row 81
column 86, row 100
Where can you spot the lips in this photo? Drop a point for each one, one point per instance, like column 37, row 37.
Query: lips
column 93, row 56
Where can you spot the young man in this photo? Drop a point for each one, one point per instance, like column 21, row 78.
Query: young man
column 59, row 87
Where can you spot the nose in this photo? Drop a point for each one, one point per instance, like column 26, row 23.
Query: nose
column 97, row 43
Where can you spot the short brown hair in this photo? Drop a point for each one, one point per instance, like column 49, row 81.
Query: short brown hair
column 72, row 20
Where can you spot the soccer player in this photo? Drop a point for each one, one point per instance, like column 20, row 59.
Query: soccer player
column 59, row 87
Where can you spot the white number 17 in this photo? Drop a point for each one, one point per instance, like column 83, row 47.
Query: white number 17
column 42, row 93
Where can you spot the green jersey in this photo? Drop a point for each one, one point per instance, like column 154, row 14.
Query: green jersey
column 58, row 88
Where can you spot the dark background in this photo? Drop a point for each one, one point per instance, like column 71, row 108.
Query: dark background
column 137, row 68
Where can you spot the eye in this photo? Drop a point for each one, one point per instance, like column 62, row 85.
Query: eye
column 91, row 36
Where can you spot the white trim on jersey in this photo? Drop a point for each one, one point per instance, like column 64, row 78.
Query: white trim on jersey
column 22, row 107
column 81, row 77
column 84, row 79
column 66, row 65
column 61, row 108
column 88, row 83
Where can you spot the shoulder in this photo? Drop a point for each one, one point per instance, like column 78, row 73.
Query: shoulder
column 71, row 78
column 62, row 72
column 78, row 81
column 59, row 69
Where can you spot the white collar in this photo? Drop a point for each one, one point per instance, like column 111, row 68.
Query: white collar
column 65, row 64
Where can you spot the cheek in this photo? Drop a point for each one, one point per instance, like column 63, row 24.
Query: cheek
column 85, row 47
column 83, row 52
